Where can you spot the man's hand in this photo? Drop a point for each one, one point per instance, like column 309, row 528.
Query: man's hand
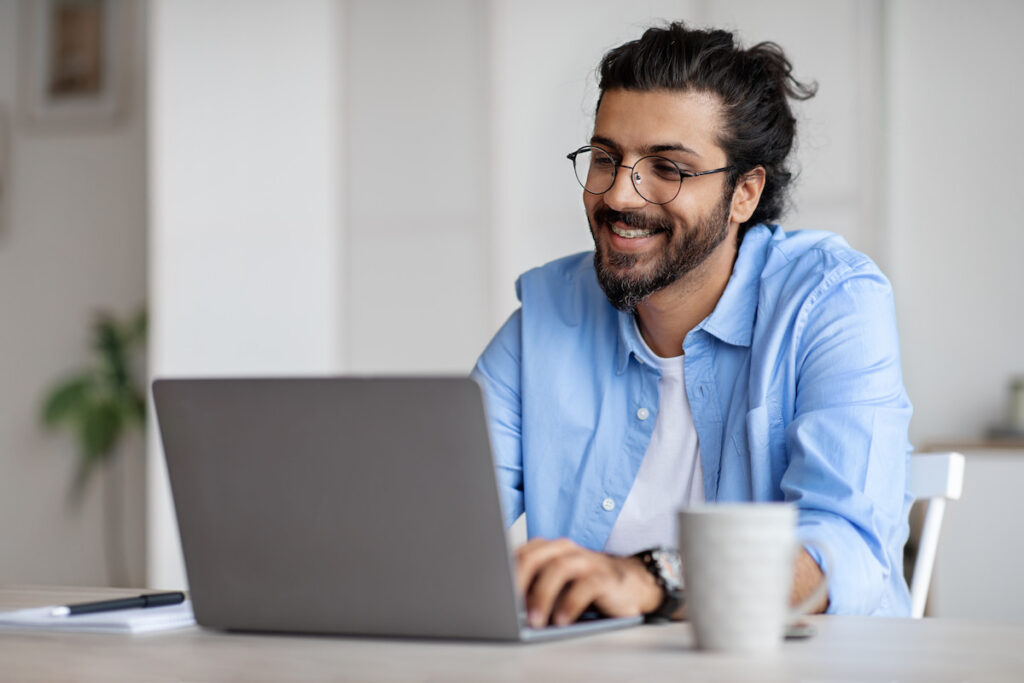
column 560, row 580
column 807, row 577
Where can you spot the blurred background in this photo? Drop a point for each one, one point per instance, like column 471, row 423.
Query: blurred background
column 352, row 186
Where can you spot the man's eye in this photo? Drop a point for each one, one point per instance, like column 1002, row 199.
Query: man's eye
column 666, row 170
column 602, row 162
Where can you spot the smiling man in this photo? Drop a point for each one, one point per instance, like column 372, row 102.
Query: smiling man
column 700, row 353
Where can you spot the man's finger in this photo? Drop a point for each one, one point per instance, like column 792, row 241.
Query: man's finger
column 552, row 578
column 533, row 555
column 577, row 597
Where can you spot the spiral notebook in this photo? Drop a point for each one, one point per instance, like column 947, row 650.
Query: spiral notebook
column 136, row 620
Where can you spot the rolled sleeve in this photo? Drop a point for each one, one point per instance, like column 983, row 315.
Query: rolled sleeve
column 847, row 443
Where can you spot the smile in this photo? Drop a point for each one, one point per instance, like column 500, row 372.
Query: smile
column 631, row 233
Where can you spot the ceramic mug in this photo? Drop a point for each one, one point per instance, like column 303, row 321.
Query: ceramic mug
column 738, row 561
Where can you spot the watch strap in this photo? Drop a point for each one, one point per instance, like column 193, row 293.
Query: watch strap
column 664, row 566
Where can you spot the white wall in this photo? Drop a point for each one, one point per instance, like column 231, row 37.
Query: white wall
column 418, row 169
column 75, row 243
column 245, row 180
column 955, row 144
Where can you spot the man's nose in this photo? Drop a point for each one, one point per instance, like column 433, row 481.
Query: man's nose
column 622, row 195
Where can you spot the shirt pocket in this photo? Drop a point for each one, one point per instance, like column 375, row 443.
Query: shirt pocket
column 762, row 458
column 758, row 436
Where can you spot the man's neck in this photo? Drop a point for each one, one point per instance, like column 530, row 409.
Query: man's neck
column 668, row 315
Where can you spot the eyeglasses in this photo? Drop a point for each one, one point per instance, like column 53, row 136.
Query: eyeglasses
column 655, row 178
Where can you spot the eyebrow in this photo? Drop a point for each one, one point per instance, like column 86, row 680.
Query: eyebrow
column 649, row 149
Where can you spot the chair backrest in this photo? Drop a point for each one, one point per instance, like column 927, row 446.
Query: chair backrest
column 934, row 478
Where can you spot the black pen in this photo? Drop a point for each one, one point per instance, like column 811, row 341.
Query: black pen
column 150, row 600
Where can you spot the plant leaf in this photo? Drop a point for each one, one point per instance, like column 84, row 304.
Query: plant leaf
column 102, row 404
column 108, row 341
column 100, row 427
column 68, row 399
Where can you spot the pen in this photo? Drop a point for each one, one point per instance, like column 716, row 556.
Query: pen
column 150, row 600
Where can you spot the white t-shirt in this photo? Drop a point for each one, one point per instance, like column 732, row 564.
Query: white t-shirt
column 670, row 476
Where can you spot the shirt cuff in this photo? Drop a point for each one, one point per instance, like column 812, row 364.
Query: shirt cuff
column 855, row 578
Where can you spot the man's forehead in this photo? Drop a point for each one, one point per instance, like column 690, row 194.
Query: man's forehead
column 659, row 120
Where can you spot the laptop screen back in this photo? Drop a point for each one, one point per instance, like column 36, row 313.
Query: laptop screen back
column 338, row 505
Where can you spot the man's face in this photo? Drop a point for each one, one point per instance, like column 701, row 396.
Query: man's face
column 642, row 247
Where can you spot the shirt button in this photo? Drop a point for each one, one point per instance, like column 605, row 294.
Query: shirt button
column 608, row 504
column 643, row 414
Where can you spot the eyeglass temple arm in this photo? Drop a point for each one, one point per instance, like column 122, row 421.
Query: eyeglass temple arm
column 714, row 170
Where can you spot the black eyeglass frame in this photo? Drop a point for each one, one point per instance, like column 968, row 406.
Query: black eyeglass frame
column 683, row 175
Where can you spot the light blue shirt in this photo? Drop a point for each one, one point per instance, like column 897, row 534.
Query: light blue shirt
column 796, row 390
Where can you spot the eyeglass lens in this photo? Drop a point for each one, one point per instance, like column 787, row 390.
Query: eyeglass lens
column 656, row 179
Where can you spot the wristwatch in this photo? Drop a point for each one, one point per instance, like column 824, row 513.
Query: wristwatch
column 666, row 568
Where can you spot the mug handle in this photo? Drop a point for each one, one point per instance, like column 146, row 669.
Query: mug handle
column 822, row 588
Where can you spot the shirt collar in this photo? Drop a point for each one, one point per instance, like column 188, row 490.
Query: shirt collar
column 732, row 321
column 630, row 342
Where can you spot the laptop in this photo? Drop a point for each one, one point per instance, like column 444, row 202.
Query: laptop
column 363, row 506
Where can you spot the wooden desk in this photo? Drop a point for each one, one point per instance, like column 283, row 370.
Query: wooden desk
column 846, row 649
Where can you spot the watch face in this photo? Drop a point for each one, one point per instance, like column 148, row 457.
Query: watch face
column 670, row 568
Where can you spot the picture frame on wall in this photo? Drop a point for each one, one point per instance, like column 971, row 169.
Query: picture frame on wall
column 73, row 62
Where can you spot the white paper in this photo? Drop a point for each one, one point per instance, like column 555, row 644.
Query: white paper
column 135, row 620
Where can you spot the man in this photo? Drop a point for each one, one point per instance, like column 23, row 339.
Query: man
column 700, row 353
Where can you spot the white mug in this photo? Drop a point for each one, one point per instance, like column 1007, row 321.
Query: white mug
column 738, row 561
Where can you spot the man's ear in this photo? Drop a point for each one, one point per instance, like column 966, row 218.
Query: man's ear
column 747, row 194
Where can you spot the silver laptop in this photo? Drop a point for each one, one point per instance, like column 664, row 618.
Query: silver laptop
column 342, row 505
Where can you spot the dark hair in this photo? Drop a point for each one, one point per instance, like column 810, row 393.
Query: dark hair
column 752, row 85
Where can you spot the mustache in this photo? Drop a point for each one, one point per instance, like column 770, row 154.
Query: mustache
column 631, row 219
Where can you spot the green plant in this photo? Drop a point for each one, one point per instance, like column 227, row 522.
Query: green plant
column 103, row 402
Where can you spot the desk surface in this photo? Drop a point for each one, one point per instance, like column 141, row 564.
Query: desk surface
column 845, row 649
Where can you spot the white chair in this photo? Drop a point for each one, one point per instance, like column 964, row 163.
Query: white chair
column 934, row 478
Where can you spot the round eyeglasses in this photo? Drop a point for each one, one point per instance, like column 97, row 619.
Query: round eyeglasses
column 655, row 178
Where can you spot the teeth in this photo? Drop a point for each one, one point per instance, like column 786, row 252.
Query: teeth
column 621, row 232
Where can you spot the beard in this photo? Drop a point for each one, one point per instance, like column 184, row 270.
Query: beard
column 624, row 287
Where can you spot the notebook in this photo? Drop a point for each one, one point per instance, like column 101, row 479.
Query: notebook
column 344, row 505
column 137, row 620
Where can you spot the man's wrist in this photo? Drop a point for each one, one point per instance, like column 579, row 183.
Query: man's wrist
column 649, row 594
column 663, row 568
